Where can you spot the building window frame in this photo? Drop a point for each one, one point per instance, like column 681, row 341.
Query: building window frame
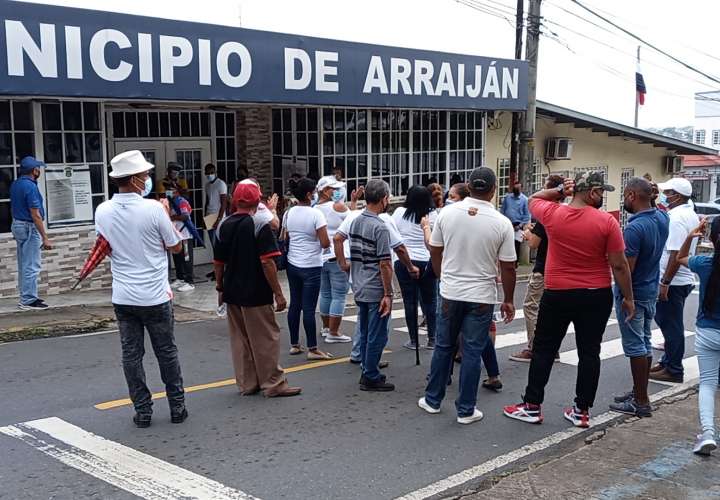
column 716, row 137
column 700, row 136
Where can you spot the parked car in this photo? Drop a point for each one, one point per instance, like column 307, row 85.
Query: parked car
column 709, row 210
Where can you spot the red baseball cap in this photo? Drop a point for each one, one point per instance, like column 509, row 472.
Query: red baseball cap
column 246, row 194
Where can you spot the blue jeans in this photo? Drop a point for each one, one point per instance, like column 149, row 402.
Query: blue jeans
column 372, row 338
column 707, row 348
column 636, row 333
column 334, row 285
column 669, row 317
column 29, row 244
column 304, row 291
column 421, row 290
column 473, row 320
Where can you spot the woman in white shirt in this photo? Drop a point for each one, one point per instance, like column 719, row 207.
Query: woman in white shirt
column 306, row 230
column 334, row 282
column 418, row 205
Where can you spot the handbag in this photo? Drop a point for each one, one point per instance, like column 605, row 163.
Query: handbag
column 283, row 244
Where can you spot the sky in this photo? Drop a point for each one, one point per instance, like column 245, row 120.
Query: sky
column 582, row 66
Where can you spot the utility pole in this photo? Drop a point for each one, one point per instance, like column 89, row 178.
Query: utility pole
column 515, row 133
column 527, row 134
column 637, row 96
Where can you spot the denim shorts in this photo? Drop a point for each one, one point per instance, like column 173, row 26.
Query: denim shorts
column 637, row 332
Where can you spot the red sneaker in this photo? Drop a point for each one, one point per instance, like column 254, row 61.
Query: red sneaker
column 526, row 412
column 579, row 418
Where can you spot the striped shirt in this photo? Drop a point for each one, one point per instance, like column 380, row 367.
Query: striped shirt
column 369, row 245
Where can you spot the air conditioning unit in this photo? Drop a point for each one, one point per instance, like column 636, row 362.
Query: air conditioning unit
column 673, row 164
column 559, row 148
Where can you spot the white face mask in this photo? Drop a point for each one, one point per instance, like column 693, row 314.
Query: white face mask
column 148, row 187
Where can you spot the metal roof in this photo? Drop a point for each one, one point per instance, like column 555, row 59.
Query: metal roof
column 582, row 120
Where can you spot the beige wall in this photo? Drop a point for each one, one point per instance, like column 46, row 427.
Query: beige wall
column 590, row 149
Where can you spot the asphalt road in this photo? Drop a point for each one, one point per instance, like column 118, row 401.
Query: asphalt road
column 333, row 441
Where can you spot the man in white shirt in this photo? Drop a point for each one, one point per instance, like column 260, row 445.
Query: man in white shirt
column 139, row 232
column 469, row 239
column 676, row 281
column 215, row 199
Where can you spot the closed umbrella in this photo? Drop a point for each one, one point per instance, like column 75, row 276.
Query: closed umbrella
column 99, row 251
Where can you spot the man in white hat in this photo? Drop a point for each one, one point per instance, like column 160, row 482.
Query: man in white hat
column 676, row 281
column 139, row 231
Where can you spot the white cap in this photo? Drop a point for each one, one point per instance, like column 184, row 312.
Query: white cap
column 329, row 181
column 129, row 163
column 678, row 184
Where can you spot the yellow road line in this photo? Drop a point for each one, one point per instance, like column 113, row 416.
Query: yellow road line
column 223, row 383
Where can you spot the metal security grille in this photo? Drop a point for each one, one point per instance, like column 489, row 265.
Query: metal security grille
column 503, row 179
column 625, row 176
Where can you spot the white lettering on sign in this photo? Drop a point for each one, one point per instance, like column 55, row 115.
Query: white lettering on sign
column 32, row 50
column 170, row 59
column 18, row 43
column 322, row 71
column 223, row 64
column 97, row 55
column 293, row 56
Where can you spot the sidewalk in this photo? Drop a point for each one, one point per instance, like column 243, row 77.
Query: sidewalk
column 648, row 458
column 86, row 311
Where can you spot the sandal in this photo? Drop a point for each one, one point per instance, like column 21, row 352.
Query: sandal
column 317, row 355
column 296, row 349
column 492, row 386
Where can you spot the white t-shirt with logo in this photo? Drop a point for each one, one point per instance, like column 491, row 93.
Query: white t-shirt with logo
column 139, row 231
column 683, row 221
column 213, row 191
column 474, row 237
column 302, row 223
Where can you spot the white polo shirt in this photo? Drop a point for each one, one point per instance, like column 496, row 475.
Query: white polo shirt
column 683, row 221
column 474, row 237
column 139, row 231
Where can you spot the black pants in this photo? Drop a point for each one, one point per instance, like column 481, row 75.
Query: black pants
column 184, row 262
column 589, row 311
column 414, row 291
column 159, row 322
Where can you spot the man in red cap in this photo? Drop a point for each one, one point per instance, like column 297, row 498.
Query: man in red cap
column 247, row 280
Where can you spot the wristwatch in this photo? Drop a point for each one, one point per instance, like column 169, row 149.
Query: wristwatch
column 665, row 282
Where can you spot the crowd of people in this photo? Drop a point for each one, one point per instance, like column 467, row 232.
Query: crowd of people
column 449, row 252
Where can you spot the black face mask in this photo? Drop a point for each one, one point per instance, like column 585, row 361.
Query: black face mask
column 628, row 207
column 595, row 203
column 516, row 191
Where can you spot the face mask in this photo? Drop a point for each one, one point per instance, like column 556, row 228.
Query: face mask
column 516, row 191
column 211, row 177
column 168, row 194
column 337, row 195
column 628, row 207
column 663, row 199
column 449, row 202
column 596, row 203
column 314, row 199
column 148, row 187
column 173, row 174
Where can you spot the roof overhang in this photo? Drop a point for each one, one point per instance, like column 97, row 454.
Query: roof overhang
column 613, row 129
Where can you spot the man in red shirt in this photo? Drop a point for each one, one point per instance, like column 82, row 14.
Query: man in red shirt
column 584, row 243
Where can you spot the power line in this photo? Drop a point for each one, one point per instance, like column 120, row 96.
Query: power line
column 636, row 37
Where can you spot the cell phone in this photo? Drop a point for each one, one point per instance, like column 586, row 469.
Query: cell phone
column 498, row 317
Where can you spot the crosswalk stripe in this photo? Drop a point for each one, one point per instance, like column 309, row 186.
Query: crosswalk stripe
column 140, row 474
column 610, row 348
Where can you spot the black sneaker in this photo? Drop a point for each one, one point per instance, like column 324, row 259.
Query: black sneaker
column 142, row 420
column 376, row 385
column 631, row 407
column 37, row 305
column 178, row 416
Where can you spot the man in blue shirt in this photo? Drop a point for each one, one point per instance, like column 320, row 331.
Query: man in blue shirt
column 28, row 229
column 645, row 236
column 515, row 207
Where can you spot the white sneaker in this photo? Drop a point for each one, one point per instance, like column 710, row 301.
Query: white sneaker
column 186, row 287
column 425, row 406
column 221, row 310
column 176, row 284
column 325, row 332
column 475, row 417
column 705, row 444
column 337, row 339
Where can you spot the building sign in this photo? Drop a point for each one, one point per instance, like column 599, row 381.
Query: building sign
column 58, row 51
column 69, row 194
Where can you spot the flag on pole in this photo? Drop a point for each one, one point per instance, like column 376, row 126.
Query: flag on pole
column 640, row 86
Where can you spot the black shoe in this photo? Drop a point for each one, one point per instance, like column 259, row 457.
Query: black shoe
column 210, row 275
column 376, row 385
column 37, row 305
column 178, row 416
column 142, row 420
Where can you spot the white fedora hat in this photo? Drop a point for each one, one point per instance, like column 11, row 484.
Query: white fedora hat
column 129, row 163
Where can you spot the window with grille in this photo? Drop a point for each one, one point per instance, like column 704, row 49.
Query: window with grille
column 17, row 140
column 716, row 137
column 503, row 180
column 700, row 137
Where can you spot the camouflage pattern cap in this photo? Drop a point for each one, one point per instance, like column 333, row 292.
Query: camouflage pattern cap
column 592, row 179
